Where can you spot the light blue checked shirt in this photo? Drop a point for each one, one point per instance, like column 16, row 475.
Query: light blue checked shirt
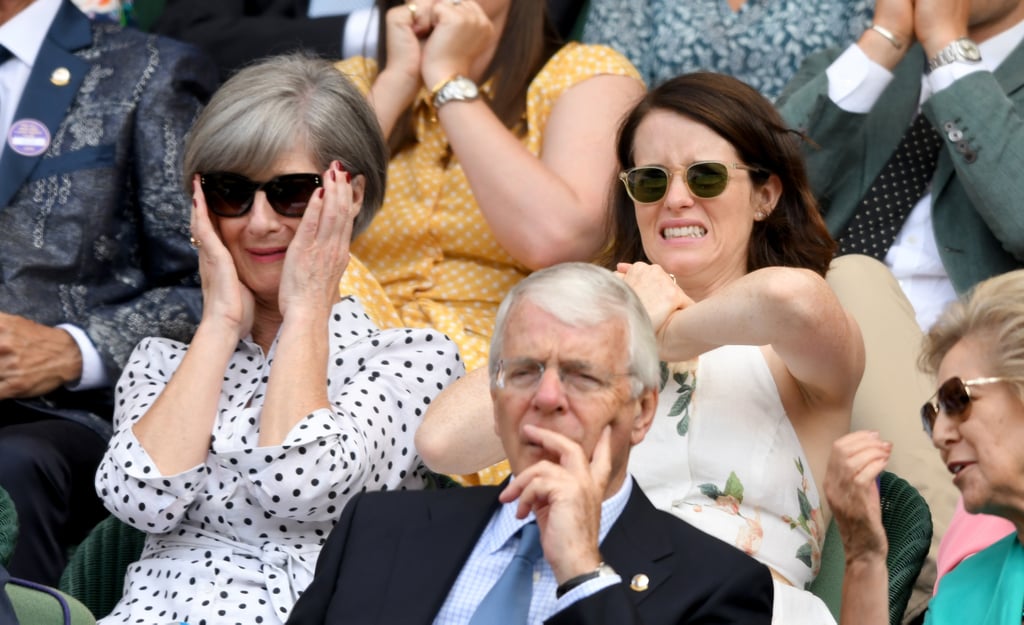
column 493, row 553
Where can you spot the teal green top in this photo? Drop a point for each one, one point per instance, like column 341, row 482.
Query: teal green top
column 986, row 588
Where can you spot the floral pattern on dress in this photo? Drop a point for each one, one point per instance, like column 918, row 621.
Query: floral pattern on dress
column 686, row 386
column 810, row 521
column 750, row 536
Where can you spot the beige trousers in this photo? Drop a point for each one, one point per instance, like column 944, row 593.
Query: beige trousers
column 892, row 391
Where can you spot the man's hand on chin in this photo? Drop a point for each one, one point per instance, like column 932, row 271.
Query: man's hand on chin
column 35, row 359
column 566, row 499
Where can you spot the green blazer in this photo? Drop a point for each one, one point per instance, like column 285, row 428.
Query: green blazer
column 978, row 187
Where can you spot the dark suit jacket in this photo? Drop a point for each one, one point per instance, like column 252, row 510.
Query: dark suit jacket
column 393, row 557
column 977, row 186
column 94, row 231
column 237, row 32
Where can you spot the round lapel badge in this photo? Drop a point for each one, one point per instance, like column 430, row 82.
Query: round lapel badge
column 60, row 76
column 28, row 137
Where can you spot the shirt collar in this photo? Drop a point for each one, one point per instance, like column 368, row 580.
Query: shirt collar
column 504, row 524
column 24, row 33
column 994, row 50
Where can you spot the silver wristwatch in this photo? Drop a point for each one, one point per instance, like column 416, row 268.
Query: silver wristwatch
column 456, row 89
column 963, row 49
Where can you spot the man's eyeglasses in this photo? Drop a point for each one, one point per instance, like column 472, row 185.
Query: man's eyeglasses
column 954, row 398
column 705, row 179
column 579, row 379
column 232, row 195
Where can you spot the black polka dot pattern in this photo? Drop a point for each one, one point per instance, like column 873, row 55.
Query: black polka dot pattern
column 893, row 194
column 235, row 540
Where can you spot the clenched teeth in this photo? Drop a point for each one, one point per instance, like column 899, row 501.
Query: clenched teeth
column 691, row 232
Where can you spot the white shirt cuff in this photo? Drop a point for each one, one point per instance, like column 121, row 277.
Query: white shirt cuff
column 942, row 77
column 361, row 30
column 855, row 82
column 94, row 374
column 587, row 588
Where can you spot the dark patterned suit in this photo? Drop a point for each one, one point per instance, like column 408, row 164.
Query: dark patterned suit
column 393, row 557
column 93, row 233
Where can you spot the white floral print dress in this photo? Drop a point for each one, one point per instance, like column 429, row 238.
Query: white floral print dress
column 723, row 455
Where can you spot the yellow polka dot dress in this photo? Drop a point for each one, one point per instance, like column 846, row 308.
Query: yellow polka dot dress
column 429, row 248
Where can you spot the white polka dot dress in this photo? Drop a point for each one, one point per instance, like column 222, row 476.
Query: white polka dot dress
column 235, row 540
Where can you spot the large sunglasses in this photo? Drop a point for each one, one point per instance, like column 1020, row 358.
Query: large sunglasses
column 705, row 179
column 232, row 195
column 954, row 398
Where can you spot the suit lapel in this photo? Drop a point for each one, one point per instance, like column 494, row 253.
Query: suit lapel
column 638, row 546
column 43, row 100
column 433, row 552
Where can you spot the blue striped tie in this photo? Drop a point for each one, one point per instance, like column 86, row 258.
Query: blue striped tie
column 508, row 601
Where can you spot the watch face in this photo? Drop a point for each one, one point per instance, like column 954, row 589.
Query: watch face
column 969, row 50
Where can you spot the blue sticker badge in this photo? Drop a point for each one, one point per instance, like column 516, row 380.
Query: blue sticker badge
column 28, row 137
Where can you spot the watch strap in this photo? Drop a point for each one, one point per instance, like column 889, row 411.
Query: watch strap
column 954, row 52
column 574, row 582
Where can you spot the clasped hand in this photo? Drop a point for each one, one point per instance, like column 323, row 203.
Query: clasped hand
column 934, row 23
column 430, row 41
column 657, row 290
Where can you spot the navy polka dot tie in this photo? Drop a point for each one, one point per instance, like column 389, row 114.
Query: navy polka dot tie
column 893, row 194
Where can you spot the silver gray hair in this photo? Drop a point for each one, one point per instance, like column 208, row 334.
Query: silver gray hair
column 583, row 295
column 284, row 103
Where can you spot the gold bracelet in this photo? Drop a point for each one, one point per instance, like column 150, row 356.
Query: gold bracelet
column 885, row 32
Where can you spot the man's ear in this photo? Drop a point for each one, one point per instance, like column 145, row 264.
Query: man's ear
column 646, row 405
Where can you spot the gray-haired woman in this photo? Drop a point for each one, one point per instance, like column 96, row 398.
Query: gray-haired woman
column 976, row 421
column 237, row 452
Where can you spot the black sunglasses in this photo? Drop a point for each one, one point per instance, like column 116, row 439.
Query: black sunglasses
column 954, row 398
column 232, row 195
column 705, row 179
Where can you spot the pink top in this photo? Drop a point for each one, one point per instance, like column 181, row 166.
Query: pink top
column 967, row 534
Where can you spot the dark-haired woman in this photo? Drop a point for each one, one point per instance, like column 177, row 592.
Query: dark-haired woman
column 716, row 229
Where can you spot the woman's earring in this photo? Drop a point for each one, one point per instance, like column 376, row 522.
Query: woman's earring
column 760, row 215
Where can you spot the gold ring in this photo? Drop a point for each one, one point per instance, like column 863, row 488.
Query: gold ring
column 194, row 242
column 412, row 9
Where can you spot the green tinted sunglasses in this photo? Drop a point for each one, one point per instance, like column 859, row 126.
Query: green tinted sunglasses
column 705, row 179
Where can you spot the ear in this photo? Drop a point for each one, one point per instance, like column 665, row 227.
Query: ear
column 766, row 197
column 358, row 191
column 646, row 405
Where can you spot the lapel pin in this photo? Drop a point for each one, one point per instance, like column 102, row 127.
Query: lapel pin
column 28, row 137
column 60, row 76
column 639, row 582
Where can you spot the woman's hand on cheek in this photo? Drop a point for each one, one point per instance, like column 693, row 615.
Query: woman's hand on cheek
column 319, row 252
column 225, row 299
